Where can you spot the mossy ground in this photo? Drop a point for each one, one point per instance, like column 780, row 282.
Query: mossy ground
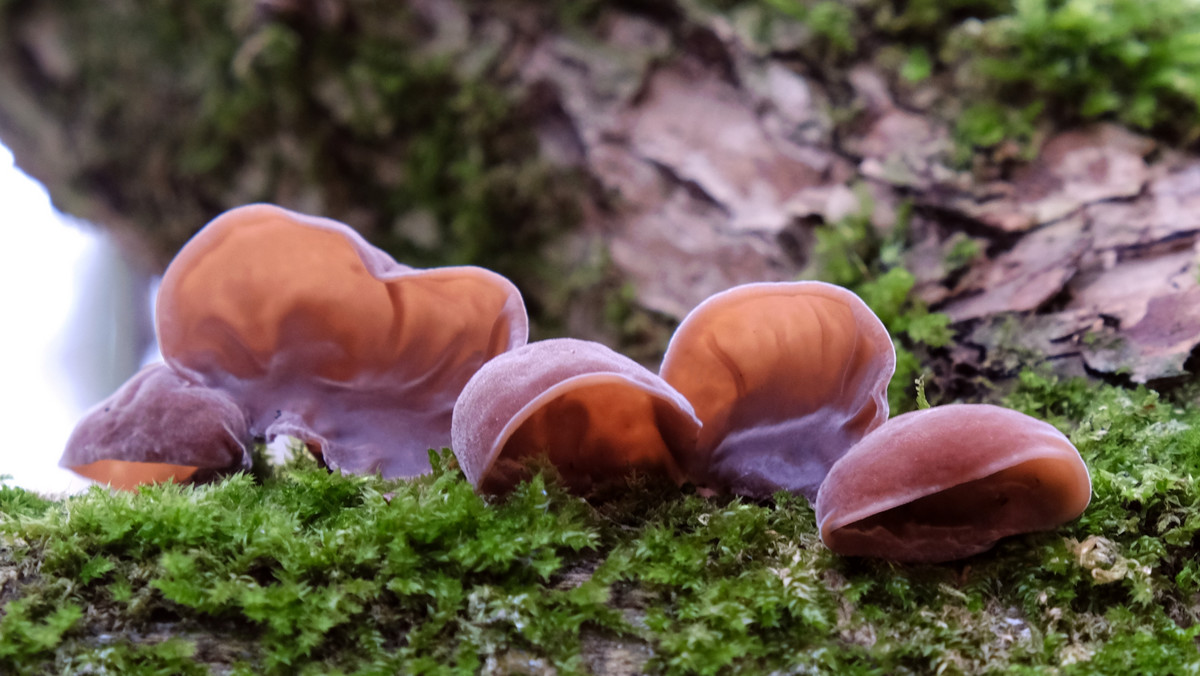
column 303, row 571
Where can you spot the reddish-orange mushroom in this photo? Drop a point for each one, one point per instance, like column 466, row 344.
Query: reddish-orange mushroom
column 322, row 337
column 948, row 482
column 595, row 415
column 785, row 377
column 158, row 427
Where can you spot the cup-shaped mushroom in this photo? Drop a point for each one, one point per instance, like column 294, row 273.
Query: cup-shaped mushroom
column 947, row 482
column 159, row 427
column 595, row 415
column 322, row 337
column 785, row 377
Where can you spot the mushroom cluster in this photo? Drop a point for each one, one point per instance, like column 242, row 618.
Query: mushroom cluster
column 779, row 387
column 275, row 323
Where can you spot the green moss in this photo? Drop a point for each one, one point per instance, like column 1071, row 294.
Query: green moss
column 820, row 29
column 1027, row 62
column 16, row 502
column 918, row 66
column 33, row 627
column 311, row 572
column 388, row 573
column 986, row 125
column 928, row 21
column 170, row 657
column 1136, row 61
column 961, row 251
column 853, row 253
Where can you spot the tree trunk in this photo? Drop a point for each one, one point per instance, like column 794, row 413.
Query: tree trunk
column 620, row 161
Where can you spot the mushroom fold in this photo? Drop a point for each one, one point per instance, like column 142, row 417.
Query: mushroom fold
column 320, row 336
column 595, row 415
column 786, row 377
column 158, row 427
column 948, row 482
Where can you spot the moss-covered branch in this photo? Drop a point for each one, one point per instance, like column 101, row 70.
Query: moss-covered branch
column 311, row 572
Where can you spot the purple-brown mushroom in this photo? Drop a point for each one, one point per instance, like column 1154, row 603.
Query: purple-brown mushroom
column 595, row 415
column 158, row 427
column 948, row 482
column 322, row 337
column 786, row 377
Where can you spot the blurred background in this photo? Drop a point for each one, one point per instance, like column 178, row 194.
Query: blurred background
column 78, row 325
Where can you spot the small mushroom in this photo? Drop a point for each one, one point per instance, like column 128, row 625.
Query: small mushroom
column 785, row 377
column 595, row 415
column 322, row 337
column 158, row 427
column 948, row 482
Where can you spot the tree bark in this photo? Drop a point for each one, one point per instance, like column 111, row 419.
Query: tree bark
column 620, row 161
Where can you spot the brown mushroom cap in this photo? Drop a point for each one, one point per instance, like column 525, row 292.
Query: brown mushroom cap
column 948, row 482
column 786, row 377
column 323, row 337
column 596, row 415
column 158, row 427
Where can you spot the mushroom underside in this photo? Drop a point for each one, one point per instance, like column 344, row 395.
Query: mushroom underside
column 593, row 436
column 126, row 475
column 159, row 426
column 962, row 520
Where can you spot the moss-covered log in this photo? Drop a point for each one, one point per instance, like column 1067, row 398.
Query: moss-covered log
column 312, row 572
column 620, row 162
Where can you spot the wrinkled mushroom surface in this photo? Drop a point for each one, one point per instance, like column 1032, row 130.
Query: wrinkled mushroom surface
column 594, row 414
column 948, row 482
column 323, row 337
column 785, row 377
column 158, row 427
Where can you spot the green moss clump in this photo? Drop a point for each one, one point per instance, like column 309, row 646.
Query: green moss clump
column 1028, row 62
column 14, row 501
column 1137, row 61
column 317, row 569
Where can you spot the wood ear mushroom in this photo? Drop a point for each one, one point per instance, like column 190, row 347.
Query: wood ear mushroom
column 785, row 377
column 323, row 337
column 158, row 427
column 309, row 331
column 948, row 482
column 594, row 414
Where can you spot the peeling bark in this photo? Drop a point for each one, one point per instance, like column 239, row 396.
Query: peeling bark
column 1107, row 270
column 706, row 146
